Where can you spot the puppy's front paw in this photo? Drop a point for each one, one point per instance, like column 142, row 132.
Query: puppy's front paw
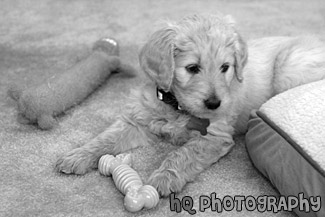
column 76, row 161
column 167, row 181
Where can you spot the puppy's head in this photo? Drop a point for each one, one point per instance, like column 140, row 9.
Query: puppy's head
column 199, row 59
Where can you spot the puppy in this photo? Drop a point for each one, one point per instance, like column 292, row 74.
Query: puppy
column 208, row 80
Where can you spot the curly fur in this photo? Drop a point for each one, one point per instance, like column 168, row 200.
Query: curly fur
column 257, row 71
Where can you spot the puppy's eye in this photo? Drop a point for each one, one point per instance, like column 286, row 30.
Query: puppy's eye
column 224, row 68
column 193, row 68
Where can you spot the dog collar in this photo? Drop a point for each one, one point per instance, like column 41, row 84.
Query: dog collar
column 168, row 98
column 195, row 123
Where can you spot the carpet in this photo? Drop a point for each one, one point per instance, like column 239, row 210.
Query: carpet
column 41, row 38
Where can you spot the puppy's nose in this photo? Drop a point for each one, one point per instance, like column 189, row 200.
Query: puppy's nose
column 212, row 103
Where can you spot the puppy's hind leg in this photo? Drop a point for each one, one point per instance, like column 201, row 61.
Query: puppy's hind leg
column 302, row 61
column 121, row 136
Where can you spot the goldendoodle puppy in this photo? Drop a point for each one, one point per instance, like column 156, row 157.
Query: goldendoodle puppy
column 206, row 80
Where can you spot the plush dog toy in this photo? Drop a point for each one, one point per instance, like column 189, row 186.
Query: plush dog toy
column 42, row 103
column 128, row 182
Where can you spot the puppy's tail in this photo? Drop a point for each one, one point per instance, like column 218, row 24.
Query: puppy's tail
column 14, row 92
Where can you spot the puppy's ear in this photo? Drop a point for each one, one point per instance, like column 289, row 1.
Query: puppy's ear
column 240, row 56
column 240, row 49
column 157, row 57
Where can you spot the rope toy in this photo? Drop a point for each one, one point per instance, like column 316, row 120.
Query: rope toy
column 128, row 181
column 39, row 104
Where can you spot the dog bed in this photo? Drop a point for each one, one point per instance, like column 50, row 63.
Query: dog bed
column 286, row 143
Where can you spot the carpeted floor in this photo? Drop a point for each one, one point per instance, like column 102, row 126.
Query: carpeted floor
column 39, row 38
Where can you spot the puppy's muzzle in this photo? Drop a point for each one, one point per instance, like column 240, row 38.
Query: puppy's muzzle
column 212, row 103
